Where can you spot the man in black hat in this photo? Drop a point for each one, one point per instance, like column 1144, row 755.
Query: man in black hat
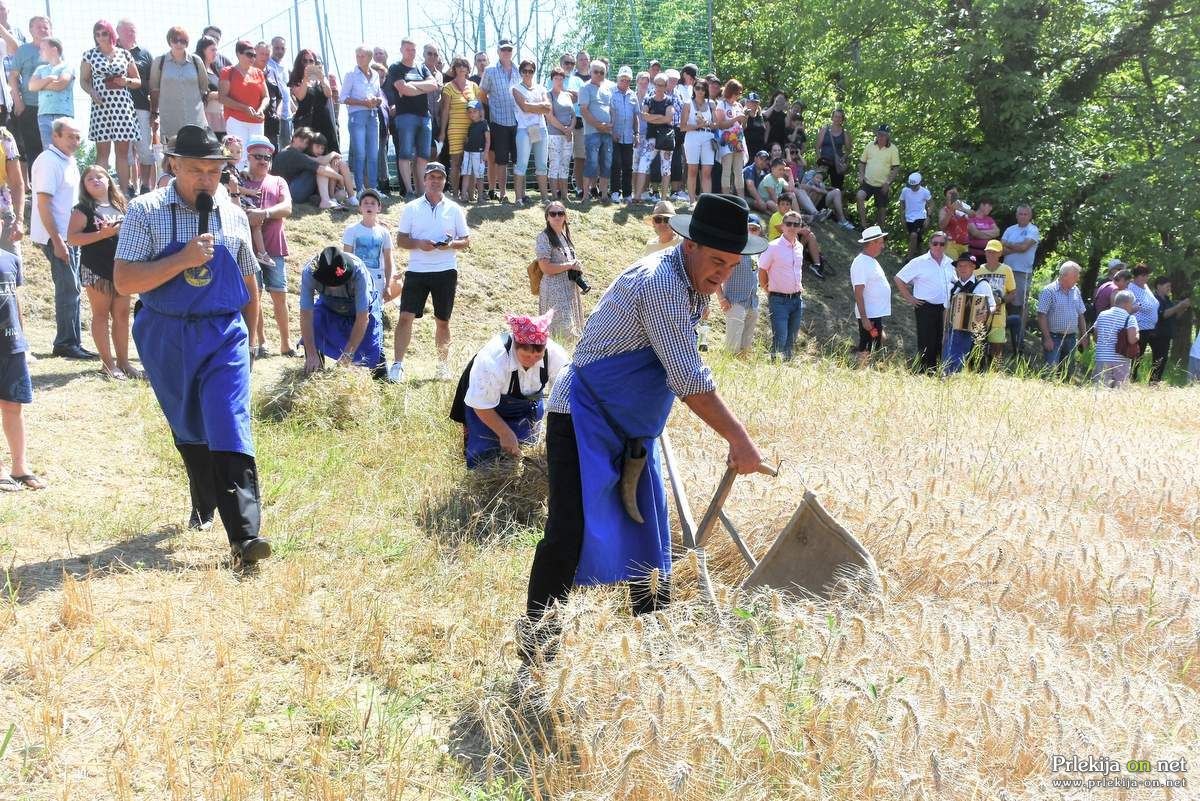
column 186, row 249
column 638, row 353
column 341, row 314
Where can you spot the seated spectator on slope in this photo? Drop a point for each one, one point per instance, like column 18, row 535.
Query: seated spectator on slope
column 825, row 197
column 774, row 184
column 1115, row 322
column 664, row 235
column 340, row 312
column 337, row 172
column 877, row 170
column 980, row 229
column 753, row 175
column 305, row 175
column 1061, row 319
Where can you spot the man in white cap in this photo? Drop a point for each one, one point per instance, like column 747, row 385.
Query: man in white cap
column 872, row 293
column 607, row 519
column 929, row 276
column 916, row 200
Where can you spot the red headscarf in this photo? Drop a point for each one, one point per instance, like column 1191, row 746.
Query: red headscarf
column 528, row 330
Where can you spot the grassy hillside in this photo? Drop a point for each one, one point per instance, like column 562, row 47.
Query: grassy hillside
column 1038, row 544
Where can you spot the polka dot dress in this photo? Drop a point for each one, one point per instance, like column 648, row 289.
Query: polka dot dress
column 115, row 121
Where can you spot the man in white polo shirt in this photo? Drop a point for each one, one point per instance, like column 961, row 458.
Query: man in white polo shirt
column 431, row 228
column 872, row 294
column 54, row 177
column 929, row 276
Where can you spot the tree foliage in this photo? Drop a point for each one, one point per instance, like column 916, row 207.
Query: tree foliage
column 1087, row 109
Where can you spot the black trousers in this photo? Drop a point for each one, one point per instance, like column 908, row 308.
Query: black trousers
column 557, row 556
column 225, row 481
column 929, row 335
column 622, row 169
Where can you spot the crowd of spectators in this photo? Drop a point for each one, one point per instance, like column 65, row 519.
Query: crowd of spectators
column 440, row 128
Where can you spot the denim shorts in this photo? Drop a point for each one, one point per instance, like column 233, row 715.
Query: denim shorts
column 273, row 279
column 413, row 136
column 15, row 386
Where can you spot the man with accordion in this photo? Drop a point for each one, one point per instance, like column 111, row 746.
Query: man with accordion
column 969, row 311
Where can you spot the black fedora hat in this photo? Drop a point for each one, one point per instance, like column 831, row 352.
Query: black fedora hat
column 719, row 221
column 195, row 142
column 331, row 269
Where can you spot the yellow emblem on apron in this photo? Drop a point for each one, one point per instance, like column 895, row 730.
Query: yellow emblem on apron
column 198, row 276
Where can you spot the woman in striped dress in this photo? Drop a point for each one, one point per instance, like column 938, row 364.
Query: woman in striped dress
column 556, row 257
column 456, row 94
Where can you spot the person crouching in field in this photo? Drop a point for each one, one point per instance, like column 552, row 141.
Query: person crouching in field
column 341, row 312
column 15, row 386
column 94, row 227
column 499, row 399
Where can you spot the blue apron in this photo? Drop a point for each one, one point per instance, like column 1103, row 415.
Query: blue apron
column 193, row 343
column 522, row 413
column 331, row 330
column 636, row 399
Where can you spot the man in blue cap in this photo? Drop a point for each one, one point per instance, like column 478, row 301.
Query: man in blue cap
column 199, row 295
column 609, row 405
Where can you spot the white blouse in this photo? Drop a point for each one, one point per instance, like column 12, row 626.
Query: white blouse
column 492, row 372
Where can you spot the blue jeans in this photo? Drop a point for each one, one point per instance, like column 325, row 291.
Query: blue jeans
column 45, row 121
column 413, row 136
column 540, row 154
column 958, row 347
column 364, row 148
column 786, row 314
column 66, row 296
column 1063, row 354
column 598, row 158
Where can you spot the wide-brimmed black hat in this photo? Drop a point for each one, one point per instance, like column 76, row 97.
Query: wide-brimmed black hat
column 719, row 221
column 195, row 142
column 331, row 269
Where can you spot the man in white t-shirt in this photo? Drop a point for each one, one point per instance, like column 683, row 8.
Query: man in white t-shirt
column 915, row 200
column 431, row 228
column 1020, row 249
column 872, row 294
column 54, row 179
column 930, row 276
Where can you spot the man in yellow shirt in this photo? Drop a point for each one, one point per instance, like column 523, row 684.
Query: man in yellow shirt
column 877, row 169
column 1004, row 289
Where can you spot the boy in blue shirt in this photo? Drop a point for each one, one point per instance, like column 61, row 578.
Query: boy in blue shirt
column 371, row 240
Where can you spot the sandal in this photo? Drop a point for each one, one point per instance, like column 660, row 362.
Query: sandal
column 9, row 484
column 30, row 481
column 114, row 374
column 133, row 373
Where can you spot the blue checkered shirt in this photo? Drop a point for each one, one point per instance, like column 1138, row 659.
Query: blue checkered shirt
column 742, row 287
column 498, row 84
column 651, row 304
column 146, row 231
column 625, row 107
column 1062, row 309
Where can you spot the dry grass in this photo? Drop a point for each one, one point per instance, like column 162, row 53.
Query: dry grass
column 1038, row 545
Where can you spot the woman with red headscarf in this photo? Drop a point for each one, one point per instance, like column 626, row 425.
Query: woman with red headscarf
column 499, row 396
column 107, row 73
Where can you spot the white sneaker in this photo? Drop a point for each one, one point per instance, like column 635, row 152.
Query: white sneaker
column 443, row 372
column 352, row 201
column 682, row 197
column 395, row 373
column 615, row 197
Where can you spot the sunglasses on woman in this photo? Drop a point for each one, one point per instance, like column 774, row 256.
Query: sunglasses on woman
column 531, row 347
column 556, row 214
column 659, row 219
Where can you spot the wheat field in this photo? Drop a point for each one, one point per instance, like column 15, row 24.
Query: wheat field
column 1037, row 542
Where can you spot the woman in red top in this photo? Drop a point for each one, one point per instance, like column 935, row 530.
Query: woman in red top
column 243, row 91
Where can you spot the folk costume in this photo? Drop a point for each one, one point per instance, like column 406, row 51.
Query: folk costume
column 337, row 288
column 959, row 342
column 609, row 405
column 495, row 379
column 192, row 340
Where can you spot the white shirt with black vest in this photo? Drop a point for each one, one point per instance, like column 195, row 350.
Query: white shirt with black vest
column 492, row 372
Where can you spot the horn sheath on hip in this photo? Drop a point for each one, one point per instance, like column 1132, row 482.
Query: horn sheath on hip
column 633, row 462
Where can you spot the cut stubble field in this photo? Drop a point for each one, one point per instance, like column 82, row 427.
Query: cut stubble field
column 1038, row 545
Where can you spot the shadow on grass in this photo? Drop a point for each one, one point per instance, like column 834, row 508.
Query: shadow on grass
column 57, row 380
column 143, row 552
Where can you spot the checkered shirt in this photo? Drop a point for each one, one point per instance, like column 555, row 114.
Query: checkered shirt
column 651, row 304
column 498, row 84
column 1062, row 308
column 742, row 287
column 146, row 231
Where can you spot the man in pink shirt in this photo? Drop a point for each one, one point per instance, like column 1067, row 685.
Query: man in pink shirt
column 779, row 272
